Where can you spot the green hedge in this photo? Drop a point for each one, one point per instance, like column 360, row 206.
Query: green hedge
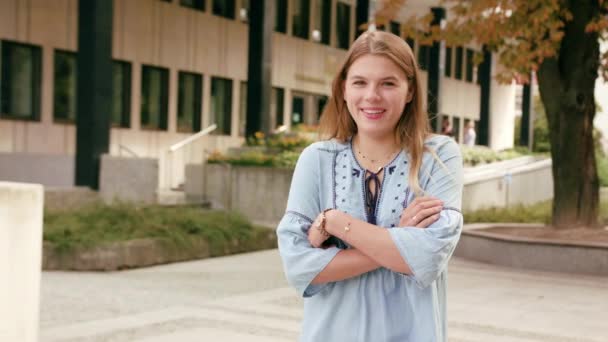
column 99, row 224
column 471, row 155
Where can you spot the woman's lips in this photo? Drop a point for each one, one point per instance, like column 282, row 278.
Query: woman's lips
column 373, row 113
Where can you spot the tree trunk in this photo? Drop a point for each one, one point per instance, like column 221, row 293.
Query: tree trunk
column 567, row 84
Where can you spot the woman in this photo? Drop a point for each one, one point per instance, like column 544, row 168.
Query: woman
column 373, row 214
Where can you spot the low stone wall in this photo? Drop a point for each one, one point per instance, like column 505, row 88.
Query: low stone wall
column 536, row 254
column 261, row 193
column 504, row 186
column 128, row 179
column 47, row 169
column 21, row 208
column 145, row 252
column 69, row 198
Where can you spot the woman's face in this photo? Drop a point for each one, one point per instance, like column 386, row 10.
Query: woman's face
column 376, row 91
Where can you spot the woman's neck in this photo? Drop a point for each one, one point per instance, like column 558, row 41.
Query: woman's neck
column 374, row 147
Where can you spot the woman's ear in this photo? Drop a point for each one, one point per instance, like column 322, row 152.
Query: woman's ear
column 410, row 96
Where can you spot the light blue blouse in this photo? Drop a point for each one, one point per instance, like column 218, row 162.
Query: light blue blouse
column 381, row 305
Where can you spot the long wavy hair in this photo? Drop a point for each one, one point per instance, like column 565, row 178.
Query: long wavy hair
column 413, row 126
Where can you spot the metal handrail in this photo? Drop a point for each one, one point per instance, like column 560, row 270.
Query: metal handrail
column 179, row 145
column 123, row 147
column 192, row 138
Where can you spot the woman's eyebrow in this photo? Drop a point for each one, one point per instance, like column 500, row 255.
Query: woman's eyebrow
column 387, row 78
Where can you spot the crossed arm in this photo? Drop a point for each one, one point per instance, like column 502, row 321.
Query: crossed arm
column 373, row 246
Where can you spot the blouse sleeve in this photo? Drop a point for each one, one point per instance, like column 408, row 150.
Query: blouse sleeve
column 302, row 262
column 427, row 251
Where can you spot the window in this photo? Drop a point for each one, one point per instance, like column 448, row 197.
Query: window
column 321, row 102
column 395, row 28
column 412, row 44
column 243, row 109
column 458, row 66
column 343, row 25
column 469, row 64
column 244, row 11
column 424, row 57
column 190, row 88
column 195, row 4
column 20, row 81
column 322, row 24
column 277, row 101
column 297, row 110
column 224, row 8
column 301, row 13
column 280, row 22
column 221, row 104
column 64, row 86
column 154, row 97
column 448, row 62
column 121, row 96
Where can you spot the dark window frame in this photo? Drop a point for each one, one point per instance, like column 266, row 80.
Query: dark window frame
column 300, row 27
column 56, row 115
column 424, row 56
column 34, row 82
column 224, row 8
column 448, row 61
column 326, row 16
column 459, row 59
column 469, row 66
column 164, row 98
column 125, row 93
column 343, row 38
column 280, row 105
column 227, row 119
column 395, row 28
column 280, row 19
column 196, row 124
column 197, row 5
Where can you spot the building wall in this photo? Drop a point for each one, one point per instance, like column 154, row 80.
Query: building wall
column 157, row 33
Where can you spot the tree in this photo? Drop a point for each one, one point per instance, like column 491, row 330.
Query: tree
column 559, row 40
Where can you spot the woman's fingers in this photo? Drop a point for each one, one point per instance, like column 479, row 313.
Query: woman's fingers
column 421, row 211
column 427, row 221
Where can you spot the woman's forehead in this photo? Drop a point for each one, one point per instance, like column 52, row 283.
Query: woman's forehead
column 375, row 67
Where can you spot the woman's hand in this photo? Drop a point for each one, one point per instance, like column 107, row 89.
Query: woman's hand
column 421, row 213
column 317, row 233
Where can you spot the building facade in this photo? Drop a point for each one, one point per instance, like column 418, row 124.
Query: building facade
column 181, row 65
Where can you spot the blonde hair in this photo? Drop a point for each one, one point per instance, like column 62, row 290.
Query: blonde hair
column 413, row 126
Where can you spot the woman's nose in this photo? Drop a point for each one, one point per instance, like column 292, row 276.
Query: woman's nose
column 372, row 93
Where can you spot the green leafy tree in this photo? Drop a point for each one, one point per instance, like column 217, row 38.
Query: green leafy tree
column 559, row 41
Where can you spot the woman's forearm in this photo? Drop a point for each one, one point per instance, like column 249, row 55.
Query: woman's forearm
column 371, row 240
column 346, row 264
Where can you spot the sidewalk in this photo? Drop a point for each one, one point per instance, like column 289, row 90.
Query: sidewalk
column 245, row 298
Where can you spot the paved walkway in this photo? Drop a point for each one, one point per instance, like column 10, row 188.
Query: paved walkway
column 245, row 298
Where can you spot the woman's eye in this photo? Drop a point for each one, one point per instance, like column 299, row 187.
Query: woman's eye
column 390, row 84
column 358, row 83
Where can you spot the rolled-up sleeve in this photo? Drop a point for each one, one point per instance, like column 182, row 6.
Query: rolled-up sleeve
column 427, row 251
column 302, row 262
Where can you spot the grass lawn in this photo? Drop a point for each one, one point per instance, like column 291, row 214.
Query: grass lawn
column 540, row 212
column 100, row 224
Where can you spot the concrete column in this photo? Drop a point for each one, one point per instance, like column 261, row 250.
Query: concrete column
column 435, row 72
column 259, row 74
column 526, row 133
column 94, row 102
column 485, row 81
column 20, row 260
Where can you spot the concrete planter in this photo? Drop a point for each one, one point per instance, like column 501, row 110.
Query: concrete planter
column 536, row 254
column 144, row 252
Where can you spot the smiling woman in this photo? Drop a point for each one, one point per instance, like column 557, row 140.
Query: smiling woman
column 373, row 214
